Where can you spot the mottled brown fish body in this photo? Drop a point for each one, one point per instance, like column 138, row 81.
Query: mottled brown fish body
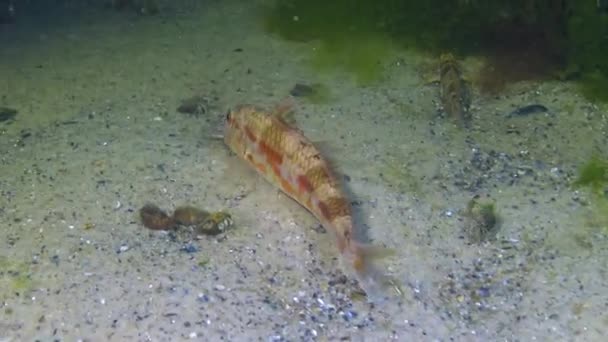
column 290, row 161
column 287, row 159
column 455, row 97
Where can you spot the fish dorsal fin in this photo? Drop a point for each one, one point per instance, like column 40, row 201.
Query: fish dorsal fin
column 284, row 112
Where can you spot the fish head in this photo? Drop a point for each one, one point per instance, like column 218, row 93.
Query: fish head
column 448, row 63
column 446, row 57
column 235, row 123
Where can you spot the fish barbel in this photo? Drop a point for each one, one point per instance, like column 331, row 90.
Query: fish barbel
column 288, row 160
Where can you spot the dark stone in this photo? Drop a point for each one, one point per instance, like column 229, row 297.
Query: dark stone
column 301, row 90
column 7, row 114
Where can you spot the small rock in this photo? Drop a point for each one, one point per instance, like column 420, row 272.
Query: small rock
column 301, row 90
column 189, row 248
column 195, row 105
column 7, row 114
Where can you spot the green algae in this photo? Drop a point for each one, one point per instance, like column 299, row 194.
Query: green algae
column 593, row 177
column 349, row 35
column 481, row 219
column 594, row 85
column 15, row 277
column 203, row 262
column 593, row 174
column 363, row 57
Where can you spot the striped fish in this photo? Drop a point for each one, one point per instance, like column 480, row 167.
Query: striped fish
column 288, row 160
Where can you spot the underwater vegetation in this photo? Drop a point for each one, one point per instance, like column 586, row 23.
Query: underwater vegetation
column 481, row 219
column 347, row 33
column 15, row 277
column 594, row 174
column 364, row 58
column 518, row 39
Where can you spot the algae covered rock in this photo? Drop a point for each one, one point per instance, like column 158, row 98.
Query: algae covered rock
column 481, row 219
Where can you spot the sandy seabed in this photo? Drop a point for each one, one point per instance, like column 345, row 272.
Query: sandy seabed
column 97, row 136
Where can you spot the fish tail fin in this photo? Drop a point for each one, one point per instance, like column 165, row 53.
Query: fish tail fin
column 372, row 280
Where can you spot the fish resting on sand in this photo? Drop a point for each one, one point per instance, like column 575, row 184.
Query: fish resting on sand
column 287, row 159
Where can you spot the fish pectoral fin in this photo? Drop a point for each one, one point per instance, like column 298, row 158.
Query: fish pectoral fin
column 288, row 119
column 284, row 111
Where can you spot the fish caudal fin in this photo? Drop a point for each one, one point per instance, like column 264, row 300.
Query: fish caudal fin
column 376, row 284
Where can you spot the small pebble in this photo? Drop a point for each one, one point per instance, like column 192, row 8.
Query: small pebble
column 189, row 248
column 349, row 315
column 483, row 292
column 219, row 287
column 7, row 114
